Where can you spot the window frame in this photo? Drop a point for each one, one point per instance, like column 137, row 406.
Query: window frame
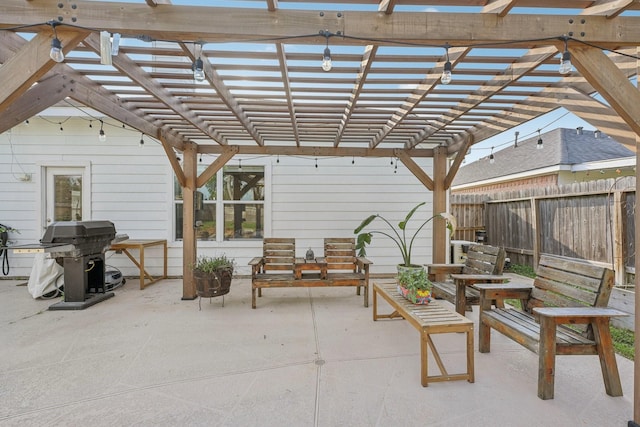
column 220, row 203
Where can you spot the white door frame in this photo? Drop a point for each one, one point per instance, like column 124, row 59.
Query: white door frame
column 77, row 168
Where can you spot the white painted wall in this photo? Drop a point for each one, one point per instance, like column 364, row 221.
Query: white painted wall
column 132, row 186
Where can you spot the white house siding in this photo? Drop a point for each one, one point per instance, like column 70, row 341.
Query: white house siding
column 132, row 186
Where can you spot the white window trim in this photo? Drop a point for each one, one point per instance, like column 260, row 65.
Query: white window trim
column 235, row 243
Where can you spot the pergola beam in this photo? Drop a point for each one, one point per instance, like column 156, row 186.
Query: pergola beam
column 314, row 151
column 609, row 81
column 31, row 63
column 43, row 95
column 197, row 23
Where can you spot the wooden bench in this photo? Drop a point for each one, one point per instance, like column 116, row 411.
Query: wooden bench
column 434, row 318
column 483, row 262
column 279, row 268
column 565, row 292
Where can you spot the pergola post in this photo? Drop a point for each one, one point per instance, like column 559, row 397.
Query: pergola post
column 439, row 248
column 189, row 249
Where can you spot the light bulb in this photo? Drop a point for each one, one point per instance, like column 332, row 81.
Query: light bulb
column 565, row 63
column 492, row 160
column 446, row 74
column 198, row 70
column 326, row 60
column 56, row 50
column 102, row 137
column 540, row 146
column 141, row 142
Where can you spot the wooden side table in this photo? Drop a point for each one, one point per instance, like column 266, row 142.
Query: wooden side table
column 146, row 279
column 317, row 264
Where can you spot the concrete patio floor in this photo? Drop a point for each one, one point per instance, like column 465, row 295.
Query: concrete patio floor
column 304, row 357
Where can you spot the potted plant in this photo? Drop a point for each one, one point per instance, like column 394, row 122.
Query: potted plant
column 213, row 275
column 407, row 271
column 414, row 285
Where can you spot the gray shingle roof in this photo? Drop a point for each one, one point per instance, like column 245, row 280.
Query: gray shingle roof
column 561, row 147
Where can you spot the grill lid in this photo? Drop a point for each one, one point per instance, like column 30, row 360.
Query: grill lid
column 78, row 232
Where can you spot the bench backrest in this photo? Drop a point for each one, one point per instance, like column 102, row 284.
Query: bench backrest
column 340, row 253
column 563, row 282
column 484, row 259
column 278, row 253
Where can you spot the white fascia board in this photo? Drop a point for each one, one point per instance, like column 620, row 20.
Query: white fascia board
column 513, row 177
column 623, row 162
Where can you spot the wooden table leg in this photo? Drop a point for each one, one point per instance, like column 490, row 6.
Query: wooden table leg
column 424, row 359
column 547, row 358
column 607, row 356
column 461, row 297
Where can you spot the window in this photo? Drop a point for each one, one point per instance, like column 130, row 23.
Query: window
column 232, row 205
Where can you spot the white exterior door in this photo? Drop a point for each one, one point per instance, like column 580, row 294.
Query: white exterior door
column 66, row 195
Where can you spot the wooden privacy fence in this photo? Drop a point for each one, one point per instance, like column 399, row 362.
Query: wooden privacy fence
column 591, row 220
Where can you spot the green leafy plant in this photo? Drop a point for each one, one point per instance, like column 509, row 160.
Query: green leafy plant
column 415, row 281
column 206, row 264
column 398, row 235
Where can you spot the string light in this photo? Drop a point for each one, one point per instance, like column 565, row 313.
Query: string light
column 26, row 122
column 239, row 163
column 492, row 159
column 61, row 128
column 56, row 52
column 446, row 72
column 353, row 160
column 141, row 140
column 316, row 163
column 198, row 68
column 278, row 159
column 326, row 56
column 102, row 137
column 540, row 145
column 565, row 60
column 200, row 159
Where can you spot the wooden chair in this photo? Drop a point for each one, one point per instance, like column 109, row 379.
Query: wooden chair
column 482, row 264
column 565, row 292
column 340, row 255
column 274, row 266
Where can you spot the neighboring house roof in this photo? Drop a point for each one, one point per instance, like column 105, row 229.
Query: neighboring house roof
column 562, row 147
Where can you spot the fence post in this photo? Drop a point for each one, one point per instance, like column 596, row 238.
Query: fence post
column 619, row 255
column 535, row 224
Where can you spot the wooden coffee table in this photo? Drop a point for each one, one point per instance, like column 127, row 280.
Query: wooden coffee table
column 433, row 318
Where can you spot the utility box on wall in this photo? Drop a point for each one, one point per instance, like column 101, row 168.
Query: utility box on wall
column 459, row 249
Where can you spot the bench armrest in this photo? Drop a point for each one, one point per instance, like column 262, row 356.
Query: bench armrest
column 563, row 315
column 363, row 262
column 501, row 291
column 444, row 268
column 256, row 261
column 256, row 265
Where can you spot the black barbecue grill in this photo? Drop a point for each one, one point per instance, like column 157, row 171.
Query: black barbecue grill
column 79, row 246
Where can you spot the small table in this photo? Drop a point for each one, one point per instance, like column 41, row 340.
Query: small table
column 433, row 318
column 316, row 264
column 463, row 280
column 146, row 279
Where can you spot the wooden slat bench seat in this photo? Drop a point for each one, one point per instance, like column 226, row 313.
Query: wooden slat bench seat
column 434, row 318
column 483, row 262
column 279, row 268
column 565, row 312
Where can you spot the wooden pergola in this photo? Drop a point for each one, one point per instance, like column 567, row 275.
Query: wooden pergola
column 264, row 91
